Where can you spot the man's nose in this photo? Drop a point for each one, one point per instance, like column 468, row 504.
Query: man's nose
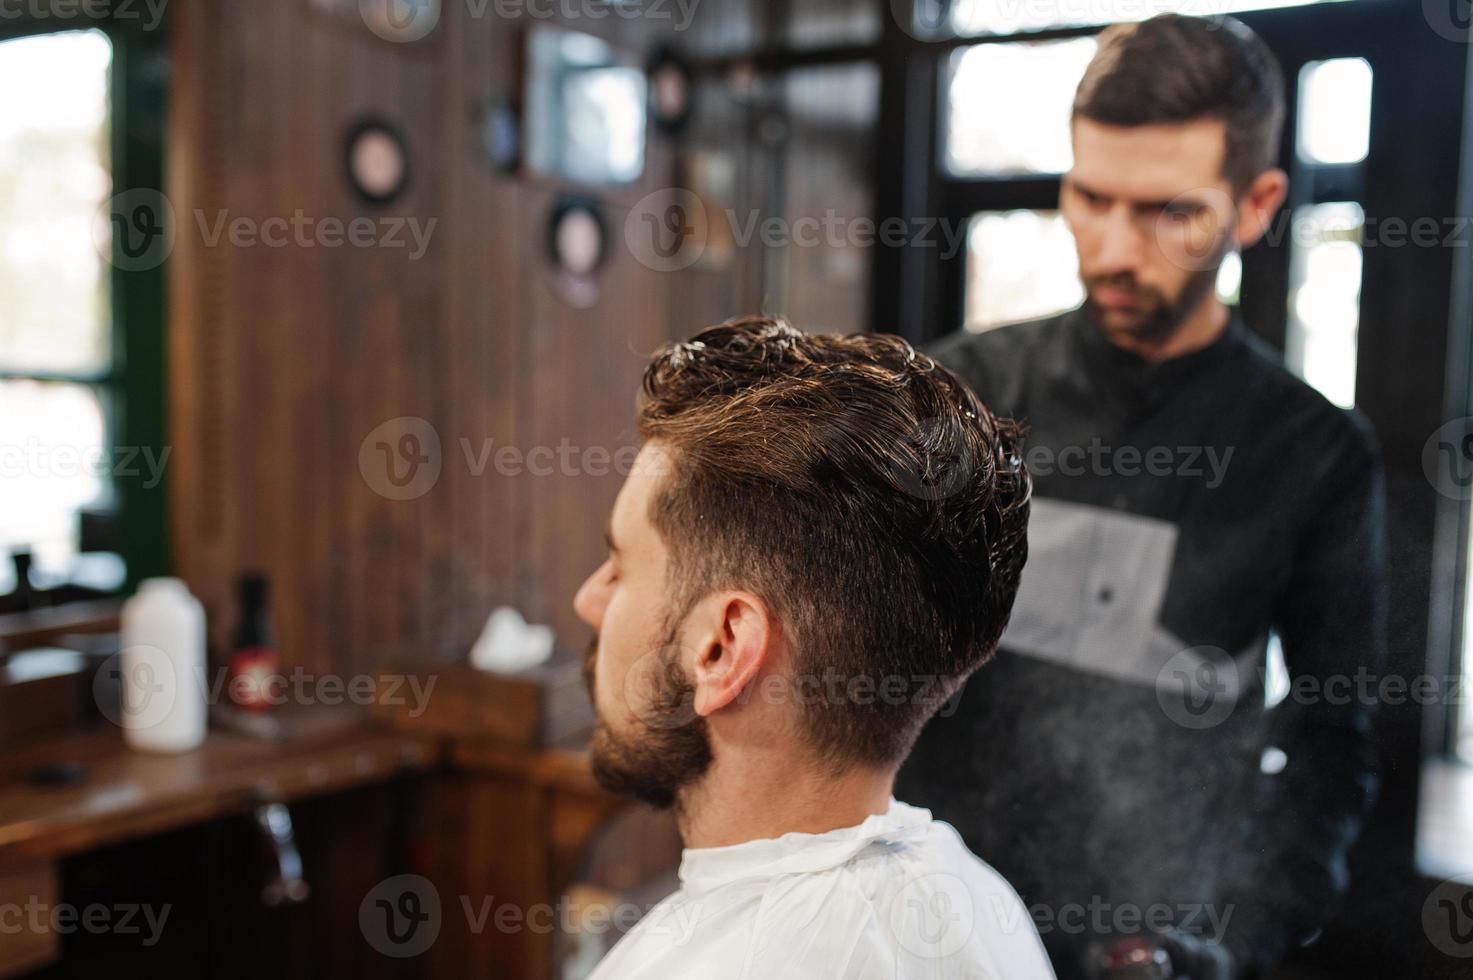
column 1122, row 243
column 593, row 597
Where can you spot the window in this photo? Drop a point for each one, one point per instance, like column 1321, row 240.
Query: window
column 1463, row 722
column 1324, row 298
column 1020, row 265
column 1028, row 130
column 1328, row 236
column 57, row 360
column 829, row 137
column 1335, row 111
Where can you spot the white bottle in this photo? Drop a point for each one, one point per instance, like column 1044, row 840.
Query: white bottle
column 163, row 668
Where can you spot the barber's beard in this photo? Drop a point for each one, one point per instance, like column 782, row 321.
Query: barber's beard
column 1158, row 316
column 672, row 748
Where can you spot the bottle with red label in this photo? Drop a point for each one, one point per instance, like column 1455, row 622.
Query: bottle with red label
column 254, row 661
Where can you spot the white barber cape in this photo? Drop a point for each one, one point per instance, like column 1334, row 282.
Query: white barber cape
column 898, row 896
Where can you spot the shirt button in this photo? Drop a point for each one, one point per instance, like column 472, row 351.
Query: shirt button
column 1105, row 595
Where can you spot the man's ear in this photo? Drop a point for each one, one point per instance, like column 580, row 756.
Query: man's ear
column 733, row 652
column 1259, row 204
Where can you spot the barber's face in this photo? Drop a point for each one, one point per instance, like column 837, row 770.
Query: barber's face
column 648, row 741
column 1152, row 218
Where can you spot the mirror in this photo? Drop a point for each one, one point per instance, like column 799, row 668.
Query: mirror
column 377, row 160
column 670, row 90
column 585, row 115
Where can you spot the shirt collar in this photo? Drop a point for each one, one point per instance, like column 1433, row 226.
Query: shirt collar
column 1134, row 383
column 703, row 868
column 1093, row 339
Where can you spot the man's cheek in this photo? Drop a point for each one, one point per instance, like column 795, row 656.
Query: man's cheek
column 603, row 687
column 612, row 690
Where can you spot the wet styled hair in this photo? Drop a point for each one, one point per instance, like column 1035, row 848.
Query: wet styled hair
column 861, row 490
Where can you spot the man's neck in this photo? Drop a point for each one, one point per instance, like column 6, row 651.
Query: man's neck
column 763, row 798
column 1197, row 330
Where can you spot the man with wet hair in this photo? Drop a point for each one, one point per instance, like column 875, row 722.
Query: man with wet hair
column 819, row 540
column 1198, row 507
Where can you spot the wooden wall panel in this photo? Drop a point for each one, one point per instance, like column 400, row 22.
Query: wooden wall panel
column 284, row 359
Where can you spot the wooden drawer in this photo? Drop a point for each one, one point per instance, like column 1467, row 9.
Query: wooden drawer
column 23, row 946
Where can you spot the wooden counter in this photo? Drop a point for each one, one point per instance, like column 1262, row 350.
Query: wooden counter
column 492, row 824
column 130, row 794
column 127, row 794
column 23, row 630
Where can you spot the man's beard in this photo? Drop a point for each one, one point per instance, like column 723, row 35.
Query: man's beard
column 674, row 748
column 1157, row 316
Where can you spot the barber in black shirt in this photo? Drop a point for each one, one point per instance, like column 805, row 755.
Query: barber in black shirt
column 1195, row 505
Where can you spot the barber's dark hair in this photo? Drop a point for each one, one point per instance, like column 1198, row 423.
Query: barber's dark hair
column 861, row 490
column 1172, row 68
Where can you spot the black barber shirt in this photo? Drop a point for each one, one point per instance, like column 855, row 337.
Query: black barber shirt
column 1119, row 761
